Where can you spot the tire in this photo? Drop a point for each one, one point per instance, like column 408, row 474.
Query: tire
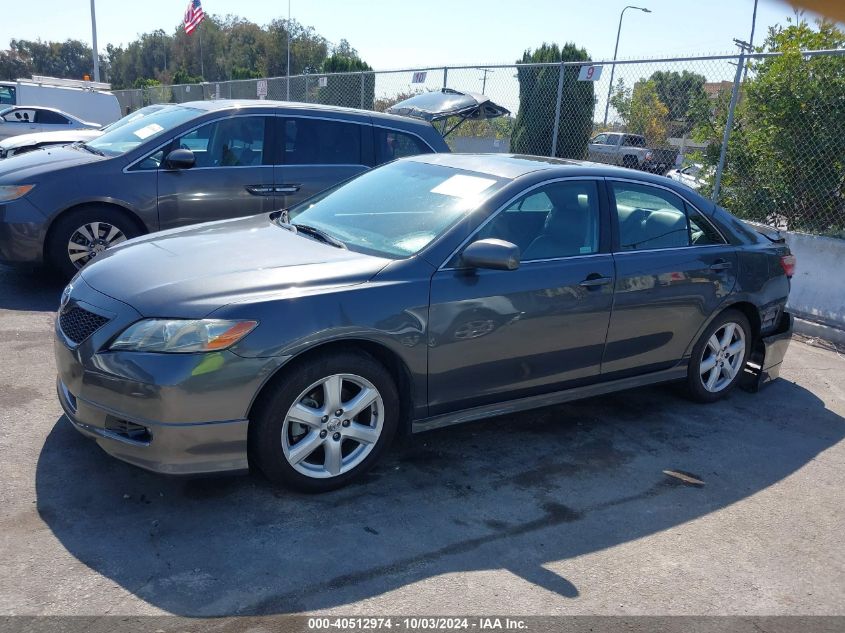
column 79, row 226
column 331, row 453
column 706, row 382
column 630, row 162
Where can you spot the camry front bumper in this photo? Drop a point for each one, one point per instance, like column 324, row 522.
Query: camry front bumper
column 168, row 413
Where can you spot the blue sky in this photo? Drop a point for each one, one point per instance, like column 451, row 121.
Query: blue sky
column 395, row 34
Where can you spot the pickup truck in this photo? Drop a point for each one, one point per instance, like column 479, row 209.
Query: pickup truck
column 630, row 150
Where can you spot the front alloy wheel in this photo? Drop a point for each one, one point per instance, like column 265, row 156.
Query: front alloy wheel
column 91, row 239
column 333, row 425
column 324, row 420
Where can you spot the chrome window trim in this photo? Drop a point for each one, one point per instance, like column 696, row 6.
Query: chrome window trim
column 127, row 169
column 509, row 202
column 320, row 165
column 685, row 200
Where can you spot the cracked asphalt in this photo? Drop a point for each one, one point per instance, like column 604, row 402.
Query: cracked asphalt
column 565, row 510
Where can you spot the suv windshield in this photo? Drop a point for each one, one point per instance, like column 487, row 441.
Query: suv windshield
column 398, row 209
column 124, row 138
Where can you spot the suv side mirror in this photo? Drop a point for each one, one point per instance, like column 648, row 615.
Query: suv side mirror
column 180, row 159
column 491, row 253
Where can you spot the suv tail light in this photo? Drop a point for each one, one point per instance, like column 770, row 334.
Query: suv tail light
column 787, row 262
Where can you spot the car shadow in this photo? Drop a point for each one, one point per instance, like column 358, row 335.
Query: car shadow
column 513, row 493
column 33, row 290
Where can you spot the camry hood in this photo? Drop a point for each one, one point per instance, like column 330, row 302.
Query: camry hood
column 192, row 271
column 17, row 169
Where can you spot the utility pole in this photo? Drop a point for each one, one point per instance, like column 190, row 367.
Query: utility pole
column 94, row 43
column 484, row 79
column 751, row 39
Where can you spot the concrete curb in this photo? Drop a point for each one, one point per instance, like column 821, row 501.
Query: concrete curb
column 818, row 330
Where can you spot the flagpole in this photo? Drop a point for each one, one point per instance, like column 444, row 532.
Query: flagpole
column 202, row 66
column 94, row 43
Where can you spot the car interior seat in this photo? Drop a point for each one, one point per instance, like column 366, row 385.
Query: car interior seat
column 566, row 230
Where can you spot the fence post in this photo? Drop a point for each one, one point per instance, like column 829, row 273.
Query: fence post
column 362, row 89
column 445, row 75
column 717, row 183
column 306, row 88
column 557, row 110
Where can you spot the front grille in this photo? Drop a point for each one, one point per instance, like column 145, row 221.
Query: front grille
column 78, row 324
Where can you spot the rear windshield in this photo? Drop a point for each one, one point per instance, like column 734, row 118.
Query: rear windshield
column 124, row 138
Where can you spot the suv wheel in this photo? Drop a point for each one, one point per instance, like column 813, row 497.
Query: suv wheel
column 79, row 236
column 326, row 422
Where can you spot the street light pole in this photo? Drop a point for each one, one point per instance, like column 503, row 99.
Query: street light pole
column 615, row 50
column 94, row 43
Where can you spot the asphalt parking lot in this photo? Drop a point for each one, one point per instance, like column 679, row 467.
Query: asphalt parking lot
column 560, row 511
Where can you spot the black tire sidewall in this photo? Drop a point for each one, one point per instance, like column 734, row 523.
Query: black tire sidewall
column 695, row 388
column 62, row 230
column 265, row 426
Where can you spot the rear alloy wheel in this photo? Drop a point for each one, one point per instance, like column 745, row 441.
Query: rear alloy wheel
column 325, row 422
column 79, row 236
column 719, row 357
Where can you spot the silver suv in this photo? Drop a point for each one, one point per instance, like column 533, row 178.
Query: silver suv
column 185, row 164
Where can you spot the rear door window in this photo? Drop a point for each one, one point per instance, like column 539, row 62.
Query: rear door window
column 308, row 141
column 649, row 218
column 393, row 144
column 48, row 117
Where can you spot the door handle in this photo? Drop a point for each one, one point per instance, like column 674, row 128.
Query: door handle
column 260, row 190
column 287, row 188
column 594, row 281
column 721, row 264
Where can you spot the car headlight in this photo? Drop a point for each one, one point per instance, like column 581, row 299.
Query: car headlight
column 182, row 335
column 13, row 192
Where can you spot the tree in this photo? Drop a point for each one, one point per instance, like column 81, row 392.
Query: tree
column 538, row 89
column 677, row 91
column 786, row 155
column 642, row 111
column 351, row 91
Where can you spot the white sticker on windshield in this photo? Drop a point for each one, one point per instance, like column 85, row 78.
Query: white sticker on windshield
column 148, row 130
column 463, row 186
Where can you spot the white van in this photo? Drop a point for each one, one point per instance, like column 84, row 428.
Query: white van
column 87, row 100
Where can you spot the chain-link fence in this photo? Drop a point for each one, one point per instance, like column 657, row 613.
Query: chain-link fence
column 763, row 134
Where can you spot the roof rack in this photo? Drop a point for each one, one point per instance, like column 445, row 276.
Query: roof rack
column 67, row 83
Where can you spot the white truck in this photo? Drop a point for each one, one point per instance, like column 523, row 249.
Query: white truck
column 86, row 100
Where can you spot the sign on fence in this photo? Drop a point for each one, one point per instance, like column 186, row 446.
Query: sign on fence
column 261, row 88
column 419, row 77
column 322, row 82
column 589, row 73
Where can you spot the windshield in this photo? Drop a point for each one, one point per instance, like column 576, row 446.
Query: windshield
column 124, row 138
column 138, row 114
column 398, row 209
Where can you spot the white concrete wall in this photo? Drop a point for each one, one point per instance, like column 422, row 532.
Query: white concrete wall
column 818, row 287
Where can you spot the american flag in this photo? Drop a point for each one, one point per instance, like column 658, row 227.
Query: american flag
column 193, row 16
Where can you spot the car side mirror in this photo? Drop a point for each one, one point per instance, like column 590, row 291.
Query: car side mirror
column 491, row 253
column 180, row 159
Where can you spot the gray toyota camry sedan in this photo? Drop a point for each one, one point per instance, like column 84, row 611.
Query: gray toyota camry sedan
column 432, row 290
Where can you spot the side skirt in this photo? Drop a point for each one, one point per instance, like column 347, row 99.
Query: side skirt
column 547, row 399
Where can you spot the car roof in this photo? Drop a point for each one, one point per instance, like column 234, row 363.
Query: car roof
column 513, row 166
column 225, row 104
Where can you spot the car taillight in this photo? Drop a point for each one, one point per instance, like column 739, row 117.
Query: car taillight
column 787, row 262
